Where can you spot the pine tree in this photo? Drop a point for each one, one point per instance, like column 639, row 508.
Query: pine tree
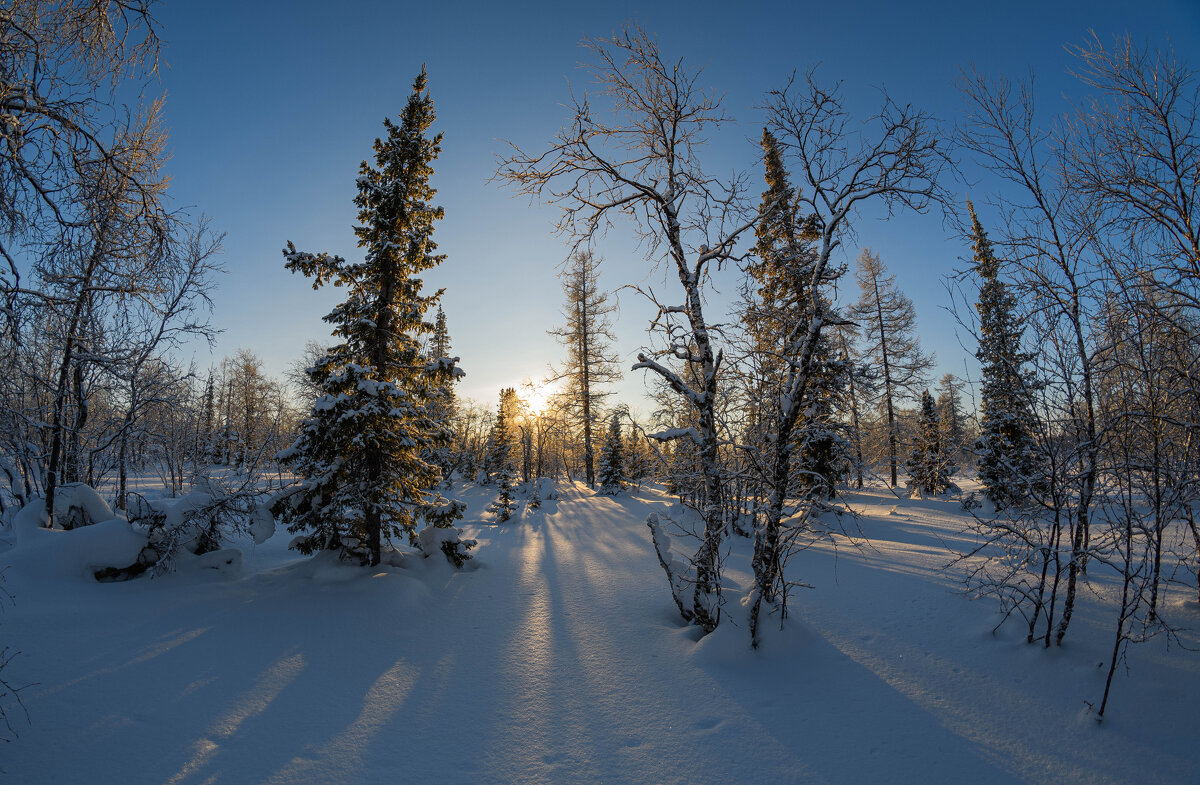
column 359, row 454
column 930, row 466
column 500, row 455
column 612, row 459
column 1008, row 465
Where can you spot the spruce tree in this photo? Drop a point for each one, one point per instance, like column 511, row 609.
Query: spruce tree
column 777, row 308
column 612, row 459
column 445, row 404
column 359, row 455
column 950, row 414
column 930, row 466
column 500, row 455
column 638, row 462
column 1008, row 464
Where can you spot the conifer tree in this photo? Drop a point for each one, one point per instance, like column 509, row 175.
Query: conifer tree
column 588, row 338
column 930, row 466
column 612, row 459
column 951, row 416
column 1008, row 465
column 500, row 455
column 359, row 455
column 889, row 328
column 445, row 402
column 638, row 462
column 778, row 303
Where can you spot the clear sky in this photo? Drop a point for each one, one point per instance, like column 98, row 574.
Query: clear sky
column 272, row 105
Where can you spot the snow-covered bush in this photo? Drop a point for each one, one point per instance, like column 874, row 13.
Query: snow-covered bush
column 79, row 505
column 446, row 540
column 197, row 524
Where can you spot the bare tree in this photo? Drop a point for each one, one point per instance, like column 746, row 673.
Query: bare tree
column 63, row 64
column 890, row 327
column 840, row 167
column 588, row 338
column 638, row 156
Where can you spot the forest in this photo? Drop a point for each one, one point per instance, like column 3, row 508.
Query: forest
column 776, row 431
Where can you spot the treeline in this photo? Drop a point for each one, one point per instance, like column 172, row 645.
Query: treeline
column 1089, row 331
column 1085, row 318
column 760, row 422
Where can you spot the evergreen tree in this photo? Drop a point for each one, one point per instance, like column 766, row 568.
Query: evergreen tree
column 208, row 421
column 951, row 416
column 500, row 456
column 359, row 455
column 612, row 459
column 777, row 308
column 445, row 403
column 930, row 466
column 638, row 462
column 1008, row 464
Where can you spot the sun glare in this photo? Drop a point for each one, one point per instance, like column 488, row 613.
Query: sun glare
column 537, row 396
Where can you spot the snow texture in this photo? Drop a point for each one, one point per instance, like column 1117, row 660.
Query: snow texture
column 562, row 660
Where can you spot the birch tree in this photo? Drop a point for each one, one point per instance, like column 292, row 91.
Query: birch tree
column 894, row 163
column 635, row 156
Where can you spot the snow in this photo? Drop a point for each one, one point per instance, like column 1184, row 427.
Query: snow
column 76, row 504
column 561, row 659
column 676, row 433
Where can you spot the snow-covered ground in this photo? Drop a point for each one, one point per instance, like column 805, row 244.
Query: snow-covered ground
column 560, row 658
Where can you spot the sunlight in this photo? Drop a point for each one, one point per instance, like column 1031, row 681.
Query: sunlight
column 537, row 395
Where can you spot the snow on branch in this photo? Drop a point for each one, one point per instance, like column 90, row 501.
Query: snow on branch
column 677, row 433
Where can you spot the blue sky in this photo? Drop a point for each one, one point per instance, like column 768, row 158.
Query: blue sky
column 272, row 105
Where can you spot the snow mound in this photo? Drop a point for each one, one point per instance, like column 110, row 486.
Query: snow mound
column 76, row 554
column 77, row 505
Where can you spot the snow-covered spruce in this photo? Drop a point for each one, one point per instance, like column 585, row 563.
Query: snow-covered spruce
column 500, row 456
column 612, row 459
column 931, row 464
column 364, row 452
column 1009, row 467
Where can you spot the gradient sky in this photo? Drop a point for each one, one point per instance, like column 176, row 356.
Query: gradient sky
column 272, row 105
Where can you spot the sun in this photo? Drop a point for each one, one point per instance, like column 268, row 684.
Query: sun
column 537, row 395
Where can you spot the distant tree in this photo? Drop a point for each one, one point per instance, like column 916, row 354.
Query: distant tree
column 359, row 454
column 951, row 415
column 588, row 338
column 500, row 457
column 445, row 403
column 1008, row 458
column 889, row 328
column 612, row 459
column 639, row 464
column 653, row 116
column 303, row 388
column 931, row 464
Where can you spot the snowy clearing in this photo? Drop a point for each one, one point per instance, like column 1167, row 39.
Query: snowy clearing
column 560, row 658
